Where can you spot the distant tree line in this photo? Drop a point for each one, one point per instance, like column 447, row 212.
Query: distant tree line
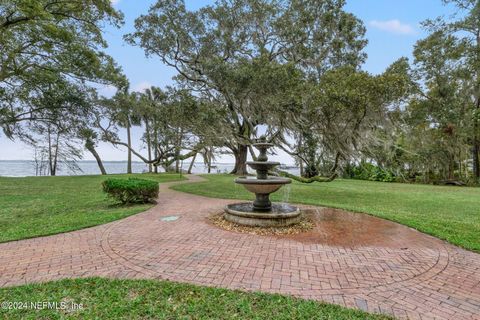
column 289, row 69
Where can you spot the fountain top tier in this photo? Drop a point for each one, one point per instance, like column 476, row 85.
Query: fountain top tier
column 262, row 145
column 262, row 165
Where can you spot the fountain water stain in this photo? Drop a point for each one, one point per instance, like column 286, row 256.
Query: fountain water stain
column 262, row 213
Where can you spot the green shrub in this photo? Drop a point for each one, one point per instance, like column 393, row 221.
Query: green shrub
column 131, row 190
column 368, row 171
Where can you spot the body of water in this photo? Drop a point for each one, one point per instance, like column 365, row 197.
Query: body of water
column 23, row 168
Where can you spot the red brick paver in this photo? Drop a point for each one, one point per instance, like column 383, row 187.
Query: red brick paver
column 353, row 260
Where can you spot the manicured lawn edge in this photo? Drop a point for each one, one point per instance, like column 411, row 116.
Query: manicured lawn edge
column 151, row 299
column 34, row 207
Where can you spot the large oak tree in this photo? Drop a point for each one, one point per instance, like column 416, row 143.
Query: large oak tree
column 246, row 56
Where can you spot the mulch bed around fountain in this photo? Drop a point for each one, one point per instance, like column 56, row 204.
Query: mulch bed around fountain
column 306, row 224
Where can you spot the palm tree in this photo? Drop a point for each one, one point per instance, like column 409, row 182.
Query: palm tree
column 125, row 115
column 152, row 98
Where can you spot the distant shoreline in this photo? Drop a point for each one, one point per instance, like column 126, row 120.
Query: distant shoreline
column 26, row 168
column 125, row 161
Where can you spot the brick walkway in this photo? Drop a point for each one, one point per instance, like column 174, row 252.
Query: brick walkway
column 353, row 260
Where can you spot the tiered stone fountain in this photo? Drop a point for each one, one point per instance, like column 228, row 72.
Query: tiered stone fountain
column 262, row 213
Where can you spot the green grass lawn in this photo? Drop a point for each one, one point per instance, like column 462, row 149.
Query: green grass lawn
column 449, row 213
column 150, row 299
column 39, row 206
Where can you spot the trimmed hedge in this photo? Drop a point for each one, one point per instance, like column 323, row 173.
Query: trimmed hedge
column 132, row 190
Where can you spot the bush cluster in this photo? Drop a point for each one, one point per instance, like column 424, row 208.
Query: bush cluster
column 367, row 171
column 132, row 190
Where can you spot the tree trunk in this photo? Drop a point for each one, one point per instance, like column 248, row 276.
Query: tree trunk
column 35, row 159
column 451, row 169
column 300, row 162
column 149, row 143
column 52, row 155
column 252, row 153
column 476, row 160
column 50, row 151
column 155, row 150
column 191, row 164
column 177, row 163
column 476, row 115
column 209, row 159
column 90, row 146
column 55, row 158
column 310, row 145
column 240, row 154
column 476, row 143
column 129, row 142
column 178, row 148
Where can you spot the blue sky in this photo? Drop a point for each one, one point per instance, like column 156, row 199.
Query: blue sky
column 393, row 27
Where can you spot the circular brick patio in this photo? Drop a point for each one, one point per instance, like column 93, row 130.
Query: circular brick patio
column 350, row 259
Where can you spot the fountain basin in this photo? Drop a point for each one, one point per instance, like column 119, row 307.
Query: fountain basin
column 261, row 212
column 262, row 186
column 280, row 215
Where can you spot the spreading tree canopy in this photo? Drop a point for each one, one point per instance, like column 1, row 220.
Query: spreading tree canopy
column 247, row 56
column 46, row 41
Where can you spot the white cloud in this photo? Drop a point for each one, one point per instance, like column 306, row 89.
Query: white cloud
column 393, row 26
column 140, row 87
column 114, row 2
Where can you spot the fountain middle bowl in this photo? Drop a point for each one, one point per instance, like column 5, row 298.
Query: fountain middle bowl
column 262, row 165
column 262, row 186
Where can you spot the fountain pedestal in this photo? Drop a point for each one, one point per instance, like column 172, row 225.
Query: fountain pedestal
column 262, row 202
column 262, row 212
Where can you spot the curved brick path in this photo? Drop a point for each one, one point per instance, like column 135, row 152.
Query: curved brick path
column 349, row 259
